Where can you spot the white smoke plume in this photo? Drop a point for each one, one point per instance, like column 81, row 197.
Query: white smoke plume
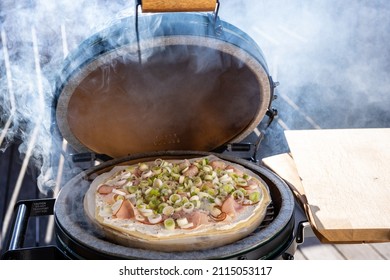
column 36, row 36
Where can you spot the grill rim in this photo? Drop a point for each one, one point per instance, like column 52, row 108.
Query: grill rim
column 276, row 228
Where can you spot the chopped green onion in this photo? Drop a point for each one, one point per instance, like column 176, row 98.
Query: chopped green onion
column 156, row 170
column 176, row 169
column 208, row 177
column 157, row 183
column 168, row 210
column 196, row 203
column 143, row 167
column 166, row 192
column 185, row 169
column 215, row 212
column 212, row 192
column 154, row 219
column 207, row 168
column 228, row 188
column 241, row 182
column 144, row 183
column 197, row 181
column 119, row 192
column 203, row 194
column 169, row 224
column 146, row 212
column 116, row 206
column 161, row 207
column 194, row 197
column 188, row 183
column 194, row 191
column 154, row 192
column 132, row 189
column 141, row 205
column 254, row 197
column 182, row 222
column 219, row 201
column 188, row 207
column 225, row 179
column 154, row 203
column 175, row 176
column 243, row 191
column 174, row 198
column 183, row 200
column 238, row 195
column 147, row 174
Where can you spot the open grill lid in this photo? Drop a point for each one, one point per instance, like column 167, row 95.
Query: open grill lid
column 176, row 83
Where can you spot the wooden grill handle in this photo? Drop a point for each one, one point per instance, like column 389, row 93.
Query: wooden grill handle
column 156, row 6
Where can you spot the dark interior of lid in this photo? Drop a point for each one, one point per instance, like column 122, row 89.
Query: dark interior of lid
column 179, row 98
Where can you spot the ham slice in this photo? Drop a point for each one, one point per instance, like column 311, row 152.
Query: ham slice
column 192, row 171
column 230, row 206
column 126, row 211
column 105, row 189
column 109, row 198
column 217, row 164
column 237, row 171
column 199, row 218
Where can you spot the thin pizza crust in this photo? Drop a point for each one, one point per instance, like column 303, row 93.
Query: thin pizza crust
column 153, row 237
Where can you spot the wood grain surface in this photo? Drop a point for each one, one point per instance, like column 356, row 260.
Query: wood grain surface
column 178, row 6
column 345, row 176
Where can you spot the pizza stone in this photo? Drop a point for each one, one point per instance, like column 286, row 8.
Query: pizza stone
column 132, row 233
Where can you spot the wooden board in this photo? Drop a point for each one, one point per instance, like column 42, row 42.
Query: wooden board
column 284, row 166
column 345, row 176
column 154, row 6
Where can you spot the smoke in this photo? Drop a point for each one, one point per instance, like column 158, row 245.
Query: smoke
column 330, row 57
column 35, row 38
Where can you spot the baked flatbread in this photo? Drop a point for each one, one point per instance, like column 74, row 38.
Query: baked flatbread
column 177, row 205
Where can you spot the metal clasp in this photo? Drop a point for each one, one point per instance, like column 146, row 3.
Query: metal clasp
column 217, row 25
column 302, row 226
column 216, row 21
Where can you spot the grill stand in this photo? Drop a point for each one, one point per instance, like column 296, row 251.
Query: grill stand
column 23, row 210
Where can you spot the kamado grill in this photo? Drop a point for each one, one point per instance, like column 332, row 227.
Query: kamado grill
column 171, row 85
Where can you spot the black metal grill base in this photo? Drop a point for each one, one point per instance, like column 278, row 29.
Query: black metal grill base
column 68, row 248
column 75, row 239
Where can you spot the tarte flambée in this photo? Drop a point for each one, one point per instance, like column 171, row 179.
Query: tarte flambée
column 177, row 205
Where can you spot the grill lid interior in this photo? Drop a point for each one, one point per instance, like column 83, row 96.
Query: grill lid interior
column 188, row 93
